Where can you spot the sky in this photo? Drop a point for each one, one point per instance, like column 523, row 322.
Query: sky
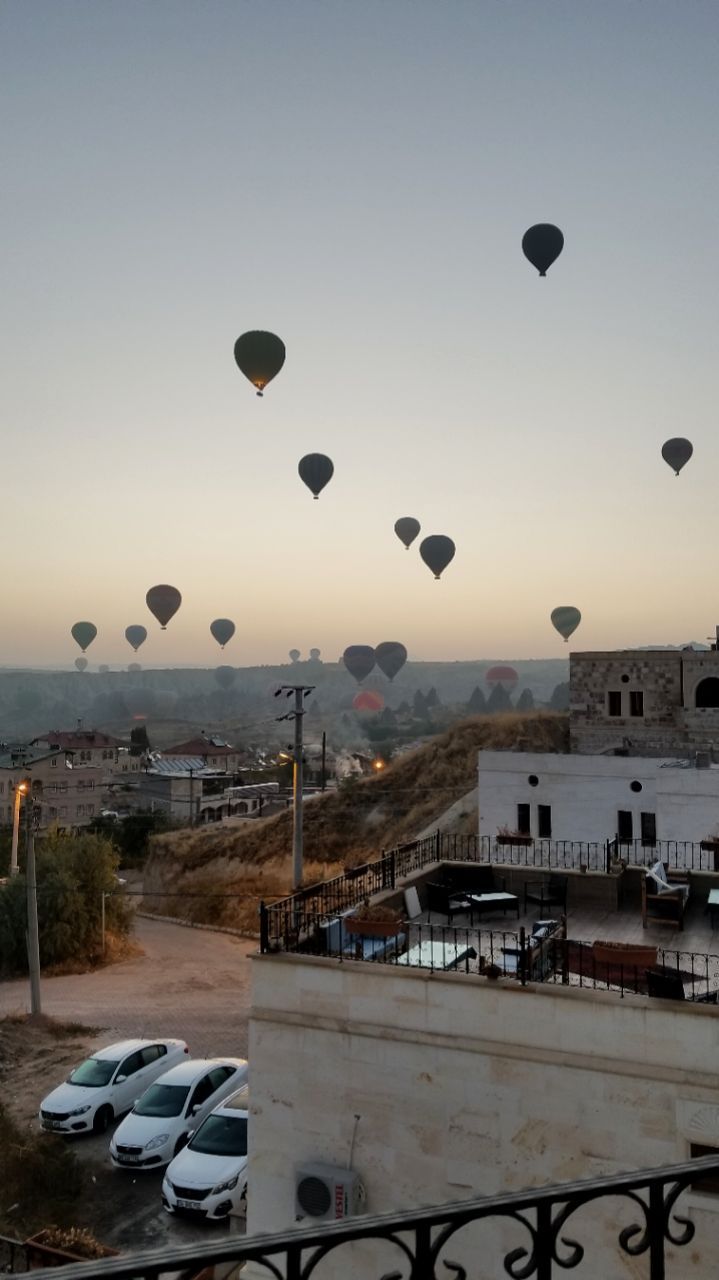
column 357, row 178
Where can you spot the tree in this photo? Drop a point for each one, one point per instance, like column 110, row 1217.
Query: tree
column 477, row 703
column 525, row 701
column 432, row 699
column 388, row 718
column 559, row 700
column 140, row 743
column 498, row 700
column 419, row 705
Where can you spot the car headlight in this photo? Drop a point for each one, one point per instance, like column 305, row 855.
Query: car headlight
column 158, row 1141
column 80, row 1111
column 226, row 1186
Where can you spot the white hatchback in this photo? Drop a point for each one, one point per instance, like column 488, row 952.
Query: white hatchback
column 106, row 1085
column 208, row 1179
column 161, row 1121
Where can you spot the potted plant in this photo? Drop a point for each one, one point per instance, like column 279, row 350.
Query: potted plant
column 374, row 920
column 507, row 836
column 54, row 1246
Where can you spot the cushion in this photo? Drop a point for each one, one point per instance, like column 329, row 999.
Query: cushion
column 412, row 904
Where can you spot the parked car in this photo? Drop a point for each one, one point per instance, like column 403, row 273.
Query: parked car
column 208, row 1179
column 161, row 1121
column 106, row 1085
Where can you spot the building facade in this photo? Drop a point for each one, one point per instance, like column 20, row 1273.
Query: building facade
column 66, row 795
column 214, row 752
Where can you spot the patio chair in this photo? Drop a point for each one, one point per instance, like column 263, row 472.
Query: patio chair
column 664, row 896
column 551, row 892
column 447, row 904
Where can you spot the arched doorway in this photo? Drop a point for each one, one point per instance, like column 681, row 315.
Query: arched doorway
column 707, row 694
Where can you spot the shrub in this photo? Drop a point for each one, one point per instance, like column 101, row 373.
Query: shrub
column 40, row 1178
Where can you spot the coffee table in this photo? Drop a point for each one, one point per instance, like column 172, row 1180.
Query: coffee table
column 482, row 902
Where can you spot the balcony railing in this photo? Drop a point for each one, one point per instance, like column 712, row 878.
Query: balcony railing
column 422, row 1244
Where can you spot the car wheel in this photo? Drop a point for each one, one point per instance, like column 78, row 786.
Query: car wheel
column 103, row 1119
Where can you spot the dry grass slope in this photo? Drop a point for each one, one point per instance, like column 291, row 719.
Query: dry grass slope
column 343, row 828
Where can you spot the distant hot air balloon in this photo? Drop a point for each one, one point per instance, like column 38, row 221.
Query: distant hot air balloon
column 507, row 677
column 542, row 244
column 390, row 657
column 368, row 700
column 359, row 660
column 134, row 666
column 136, row 635
column 83, row 633
column 163, row 602
column 260, row 356
column 225, row 677
column 407, row 529
column 677, row 452
column 222, row 630
column 81, row 664
column 316, row 470
column 294, row 655
column 315, row 655
column 565, row 619
column 437, row 551
column 103, row 668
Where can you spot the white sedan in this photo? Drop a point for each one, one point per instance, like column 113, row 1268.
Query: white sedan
column 160, row 1123
column 105, row 1086
column 208, row 1179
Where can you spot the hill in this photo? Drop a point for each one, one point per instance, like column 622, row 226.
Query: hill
column 252, row 860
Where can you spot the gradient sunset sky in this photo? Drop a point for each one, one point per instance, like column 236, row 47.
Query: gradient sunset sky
column 357, row 178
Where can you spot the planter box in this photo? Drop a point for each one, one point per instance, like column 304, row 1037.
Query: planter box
column 629, row 954
column 373, row 928
column 515, row 840
column 41, row 1255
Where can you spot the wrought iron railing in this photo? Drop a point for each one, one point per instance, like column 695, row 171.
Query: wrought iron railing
column 422, row 1244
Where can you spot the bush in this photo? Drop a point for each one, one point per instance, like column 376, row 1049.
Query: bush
column 40, row 1179
column 130, row 836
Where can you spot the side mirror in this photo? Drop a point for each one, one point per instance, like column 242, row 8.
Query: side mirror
column 120, row 1079
column 194, row 1110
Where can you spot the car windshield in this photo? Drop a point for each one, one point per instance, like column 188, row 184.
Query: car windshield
column 162, row 1100
column 221, row 1136
column 93, row 1073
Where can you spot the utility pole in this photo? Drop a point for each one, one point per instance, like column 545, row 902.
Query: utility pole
column 21, row 790
column 300, row 692
column 33, row 938
column 324, row 760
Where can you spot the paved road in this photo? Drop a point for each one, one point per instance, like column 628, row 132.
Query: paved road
column 189, row 983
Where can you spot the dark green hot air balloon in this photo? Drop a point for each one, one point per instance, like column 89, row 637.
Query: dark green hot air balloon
column 222, row 630
column 677, row 452
column 163, row 602
column 542, row 244
column 316, row 471
column 260, row 356
column 565, row 619
column 83, row 633
column 391, row 657
column 225, row 677
column 135, row 636
column 437, row 550
column 359, row 660
column 407, row 529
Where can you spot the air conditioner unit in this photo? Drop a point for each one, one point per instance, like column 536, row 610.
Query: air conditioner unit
column 326, row 1193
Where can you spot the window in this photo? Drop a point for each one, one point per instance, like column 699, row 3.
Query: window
column 90, row 786
column 62, row 786
column 53, row 762
column 709, row 1186
column 614, row 702
column 201, row 1092
column 151, row 1054
column 523, row 820
column 707, row 694
column 636, row 702
column 90, row 810
column 81, row 811
column 649, row 829
column 63, row 811
column 53, row 812
column 81, row 786
column 544, row 821
column 533, row 780
column 51, row 786
column 131, row 1064
column 2, row 788
column 625, row 825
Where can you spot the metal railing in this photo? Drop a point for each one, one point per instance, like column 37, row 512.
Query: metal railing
column 423, row 1243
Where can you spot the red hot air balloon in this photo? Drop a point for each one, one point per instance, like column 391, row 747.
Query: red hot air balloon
column 368, row 701
column 163, row 602
column 507, row 677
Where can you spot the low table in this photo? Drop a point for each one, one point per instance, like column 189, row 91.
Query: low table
column 712, row 904
column 482, row 902
column 437, row 955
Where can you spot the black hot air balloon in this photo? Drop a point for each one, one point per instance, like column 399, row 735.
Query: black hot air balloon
column 260, row 356
column 163, row 602
column 565, row 619
column 677, row 452
column 294, row 655
column 359, row 660
column 390, row 656
column 222, row 630
column 437, row 550
column 542, row 244
column 225, row 677
column 81, row 664
column 83, row 633
column 316, row 471
column 407, row 529
column 135, row 636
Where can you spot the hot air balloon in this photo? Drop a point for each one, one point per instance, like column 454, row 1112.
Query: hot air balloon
column 103, row 668
column 565, row 619
column 315, row 655
column 134, row 666
column 390, row 657
column 359, row 660
column 294, row 655
column 316, row 471
column 437, row 551
column 677, row 453
column 407, row 529
column 368, row 700
column 83, row 633
column 260, row 356
column 163, row 602
column 136, row 635
column 222, row 630
column 225, row 677
column 507, row 677
column 81, row 664
column 542, row 244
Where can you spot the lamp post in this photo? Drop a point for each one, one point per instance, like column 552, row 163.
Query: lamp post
column 33, row 938
column 300, row 692
column 21, row 790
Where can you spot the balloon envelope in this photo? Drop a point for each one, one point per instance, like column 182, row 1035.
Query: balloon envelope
column 83, row 633
column 136, row 635
column 359, row 660
column 81, row 664
column 677, row 452
column 225, row 676
column 407, row 529
column 565, row 619
column 437, row 550
column 316, row 470
column 368, row 700
column 222, row 631
column 507, row 677
column 294, row 655
column 260, row 356
column 163, row 602
column 390, row 657
column 542, row 244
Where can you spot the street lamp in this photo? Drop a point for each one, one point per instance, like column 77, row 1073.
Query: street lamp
column 21, row 790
